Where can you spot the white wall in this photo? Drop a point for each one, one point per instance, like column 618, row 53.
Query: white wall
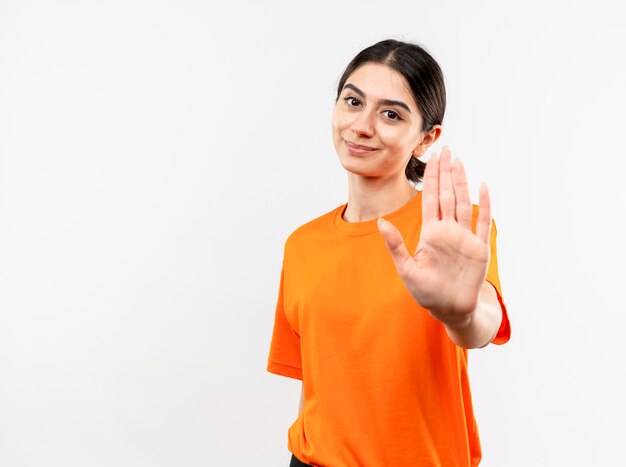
column 154, row 156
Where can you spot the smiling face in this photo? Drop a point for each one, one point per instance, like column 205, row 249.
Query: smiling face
column 377, row 125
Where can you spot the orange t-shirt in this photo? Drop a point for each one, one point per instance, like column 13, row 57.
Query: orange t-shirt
column 383, row 383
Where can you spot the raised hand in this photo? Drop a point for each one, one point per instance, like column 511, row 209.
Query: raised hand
column 449, row 266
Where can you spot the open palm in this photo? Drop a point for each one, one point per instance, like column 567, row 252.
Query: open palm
column 449, row 266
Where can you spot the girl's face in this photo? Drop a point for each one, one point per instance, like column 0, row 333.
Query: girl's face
column 377, row 125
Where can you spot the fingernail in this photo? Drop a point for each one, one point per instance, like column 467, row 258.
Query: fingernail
column 380, row 222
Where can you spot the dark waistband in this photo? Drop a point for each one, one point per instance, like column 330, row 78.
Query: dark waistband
column 295, row 462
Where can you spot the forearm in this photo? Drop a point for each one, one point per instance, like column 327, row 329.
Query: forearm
column 481, row 326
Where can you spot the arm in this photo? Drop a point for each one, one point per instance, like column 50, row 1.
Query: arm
column 446, row 274
column 301, row 400
column 479, row 329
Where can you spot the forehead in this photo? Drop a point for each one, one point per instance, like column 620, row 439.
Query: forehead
column 379, row 82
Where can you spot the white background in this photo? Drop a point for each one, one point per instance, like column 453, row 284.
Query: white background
column 155, row 155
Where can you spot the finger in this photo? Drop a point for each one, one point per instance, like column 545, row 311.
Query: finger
column 461, row 190
column 446, row 188
column 430, row 192
column 395, row 244
column 483, row 225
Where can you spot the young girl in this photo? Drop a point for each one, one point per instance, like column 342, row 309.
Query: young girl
column 380, row 298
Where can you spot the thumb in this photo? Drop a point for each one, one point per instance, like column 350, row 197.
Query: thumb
column 395, row 243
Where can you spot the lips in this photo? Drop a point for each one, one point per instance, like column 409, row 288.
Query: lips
column 358, row 148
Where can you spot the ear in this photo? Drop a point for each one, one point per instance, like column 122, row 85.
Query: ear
column 426, row 140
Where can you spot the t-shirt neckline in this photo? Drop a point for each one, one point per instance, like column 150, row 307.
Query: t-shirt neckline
column 368, row 227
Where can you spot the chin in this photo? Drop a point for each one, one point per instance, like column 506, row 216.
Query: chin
column 360, row 168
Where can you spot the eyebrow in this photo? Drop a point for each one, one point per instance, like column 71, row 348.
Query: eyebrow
column 383, row 101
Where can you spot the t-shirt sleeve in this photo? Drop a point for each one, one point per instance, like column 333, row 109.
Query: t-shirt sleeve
column 504, row 333
column 284, row 357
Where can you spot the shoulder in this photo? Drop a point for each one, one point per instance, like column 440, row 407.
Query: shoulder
column 314, row 228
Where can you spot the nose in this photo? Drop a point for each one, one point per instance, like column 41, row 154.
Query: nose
column 363, row 125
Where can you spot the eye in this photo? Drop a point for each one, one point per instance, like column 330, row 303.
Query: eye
column 352, row 101
column 392, row 115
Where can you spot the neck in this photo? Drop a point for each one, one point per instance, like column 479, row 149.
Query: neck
column 370, row 198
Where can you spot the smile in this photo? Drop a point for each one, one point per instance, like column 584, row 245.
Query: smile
column 357, row 148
